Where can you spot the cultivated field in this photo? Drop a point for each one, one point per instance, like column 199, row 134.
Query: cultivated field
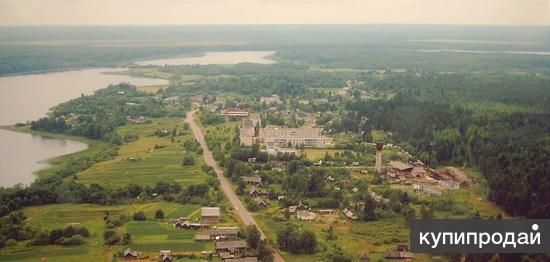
column 148, row 159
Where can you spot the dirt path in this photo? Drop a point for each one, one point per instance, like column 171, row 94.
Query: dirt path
column 224, row 183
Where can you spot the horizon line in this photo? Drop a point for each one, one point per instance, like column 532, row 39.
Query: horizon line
column 275, row 24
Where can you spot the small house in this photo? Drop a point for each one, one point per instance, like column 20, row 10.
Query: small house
column 300, row 206
column 210, row 214
column 165, row 256
column 235, row 246
column 349, row 214
column 400, row 168
column 254, row 192
column 261, row 202
column 130, row 254
column 252, row 180
column 418, row 171
column 305, row 215
column 218, row 234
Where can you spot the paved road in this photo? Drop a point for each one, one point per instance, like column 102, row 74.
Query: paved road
column 225, row 185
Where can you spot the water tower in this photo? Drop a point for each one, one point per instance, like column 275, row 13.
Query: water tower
column 378, row 164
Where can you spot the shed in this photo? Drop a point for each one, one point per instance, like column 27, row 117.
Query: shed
column 252, row 180
column 231, row 246
column 165, row 255
column 210, row 214
column 130, row 254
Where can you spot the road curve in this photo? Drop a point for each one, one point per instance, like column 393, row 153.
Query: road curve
column 224, row 183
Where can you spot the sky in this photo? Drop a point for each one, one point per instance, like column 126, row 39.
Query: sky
column 172, row 12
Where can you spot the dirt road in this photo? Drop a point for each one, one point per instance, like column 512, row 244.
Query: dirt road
column 225, row 185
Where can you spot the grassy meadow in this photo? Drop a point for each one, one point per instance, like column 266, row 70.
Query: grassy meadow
column 148, row 159
column 148, row 237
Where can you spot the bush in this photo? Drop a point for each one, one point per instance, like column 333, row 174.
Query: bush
column 159, row 214
column 126, row 239
column 110, row 237
column 139, row 216
column 41, row 238
column 188, row 160
column 11, row 243
column 75, row 240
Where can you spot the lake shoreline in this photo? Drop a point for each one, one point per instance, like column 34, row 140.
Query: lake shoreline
column 56, row 162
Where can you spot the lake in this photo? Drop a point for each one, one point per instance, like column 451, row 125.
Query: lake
column 23, row 154
column 29, row 97
column 224, row 58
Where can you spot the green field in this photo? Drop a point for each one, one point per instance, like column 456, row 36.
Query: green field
column 148, row 237
column 150, row 164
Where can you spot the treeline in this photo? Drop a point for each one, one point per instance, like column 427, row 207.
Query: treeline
column 264, row 80
column 511, row 148
column 97, row 116
column 54, row 190
column 31, row 58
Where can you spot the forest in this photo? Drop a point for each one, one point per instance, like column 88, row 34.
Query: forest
column 473, row 121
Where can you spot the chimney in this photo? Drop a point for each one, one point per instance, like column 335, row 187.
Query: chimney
column 378, row 164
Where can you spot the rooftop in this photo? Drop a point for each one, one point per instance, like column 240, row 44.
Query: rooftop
column 231, row 244
column 210, row 211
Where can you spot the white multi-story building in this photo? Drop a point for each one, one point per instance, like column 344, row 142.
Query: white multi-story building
column 235, row 112
column 281, row 137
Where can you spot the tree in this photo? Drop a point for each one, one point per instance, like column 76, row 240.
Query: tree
column 308, row 242
column 188, row 160
column 126, row 239
column 337, row 255
column 370, row 208
column 55, row 235
column 139, row 216
column 330, row 233
column 252, row 236
column 265, row 252
column 159, row 214
column 110, row 237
